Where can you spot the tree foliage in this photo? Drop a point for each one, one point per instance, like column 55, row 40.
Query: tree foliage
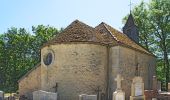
column 153, row 21
column 19, row 52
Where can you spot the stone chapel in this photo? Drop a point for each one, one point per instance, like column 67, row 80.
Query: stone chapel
column 86, row 60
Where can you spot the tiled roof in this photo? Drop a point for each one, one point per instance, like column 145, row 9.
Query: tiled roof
column 123, row 39
column 103, row 33
column 77, row 32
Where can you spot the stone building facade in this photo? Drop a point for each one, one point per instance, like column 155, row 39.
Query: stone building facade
column 83, row 59
column 30, row 82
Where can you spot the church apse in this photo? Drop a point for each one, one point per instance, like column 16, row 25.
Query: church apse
column 77, row 69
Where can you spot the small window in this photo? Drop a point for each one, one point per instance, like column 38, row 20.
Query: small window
column 48, row 59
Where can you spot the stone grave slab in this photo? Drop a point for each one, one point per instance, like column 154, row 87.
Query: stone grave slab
column 87, row 97
column 120, row 95
column 137, row 89
column 43, row 95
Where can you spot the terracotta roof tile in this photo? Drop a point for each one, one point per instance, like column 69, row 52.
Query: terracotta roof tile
column 77, row 32
column 123, row 39
column 103, row 33
column 108, row 38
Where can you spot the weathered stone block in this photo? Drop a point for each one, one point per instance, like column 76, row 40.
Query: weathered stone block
column 87, row 97
column 119, row 95
column 137, row 89
column 43, row 95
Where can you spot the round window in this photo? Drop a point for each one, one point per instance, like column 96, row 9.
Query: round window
column 48, row 59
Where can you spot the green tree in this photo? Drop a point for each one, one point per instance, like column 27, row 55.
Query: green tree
column 19, row 52
column 41, row 35
column 153, row 21
column 160, row 15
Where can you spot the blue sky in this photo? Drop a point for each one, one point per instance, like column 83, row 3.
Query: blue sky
column 60, row 13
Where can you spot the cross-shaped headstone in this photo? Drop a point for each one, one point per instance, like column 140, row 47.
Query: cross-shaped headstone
column 119, row 78
column 56, row 87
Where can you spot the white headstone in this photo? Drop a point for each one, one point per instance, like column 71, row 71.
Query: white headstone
column 43, row 95
column 137, row 89
column 82, row 96
column 137, row 86
column 119, row 94
column 159, row 86
column 87, row 97
column 1, row 95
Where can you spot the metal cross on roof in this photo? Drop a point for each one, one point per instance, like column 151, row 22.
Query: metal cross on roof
column 130, row 5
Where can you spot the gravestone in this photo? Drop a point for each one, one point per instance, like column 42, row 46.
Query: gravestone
column 87, row 97
column 155, row 84
column 154, row 93
column 168, row 87
column 119, row 94
column 137, row 89
column 159, row 86
column 1, row 95
column 43, row 95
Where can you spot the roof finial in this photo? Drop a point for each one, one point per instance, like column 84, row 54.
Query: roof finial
column 130, row 6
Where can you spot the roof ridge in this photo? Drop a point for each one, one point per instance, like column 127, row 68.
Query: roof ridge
column 104, row 24
column 124, row 35
column 77, row 31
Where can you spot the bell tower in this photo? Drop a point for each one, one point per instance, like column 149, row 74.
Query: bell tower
column 131, row 30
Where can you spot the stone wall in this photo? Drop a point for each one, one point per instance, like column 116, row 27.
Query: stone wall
column 127, row 59
column 30, row 82
column 77, row 68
